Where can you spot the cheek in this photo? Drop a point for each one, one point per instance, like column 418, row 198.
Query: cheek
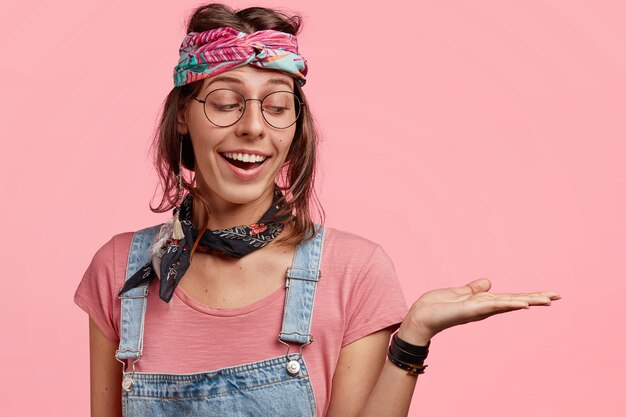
column 287, row 140
column 285, row 145
column 203, row 151
column 205, row 138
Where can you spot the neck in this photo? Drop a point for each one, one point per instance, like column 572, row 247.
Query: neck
column 224, row 214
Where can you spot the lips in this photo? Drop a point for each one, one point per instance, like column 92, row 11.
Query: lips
column 241, row 164
column 244, row 170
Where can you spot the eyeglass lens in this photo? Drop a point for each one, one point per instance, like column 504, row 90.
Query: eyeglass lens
column 224, row 107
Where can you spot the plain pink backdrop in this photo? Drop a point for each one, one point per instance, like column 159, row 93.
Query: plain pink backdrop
column 469, row 139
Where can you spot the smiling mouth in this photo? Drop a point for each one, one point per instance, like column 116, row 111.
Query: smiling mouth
column 241, row 164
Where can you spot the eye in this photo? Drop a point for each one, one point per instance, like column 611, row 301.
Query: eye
column 278, row 103
column 275, row 109
column 226, row 106
column 224, row 100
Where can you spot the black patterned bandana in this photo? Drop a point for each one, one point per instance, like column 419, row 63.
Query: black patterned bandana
column 171, row 257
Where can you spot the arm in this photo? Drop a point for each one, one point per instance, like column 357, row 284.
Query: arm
column 106, row 375
column 365, row 385
column 364, row 377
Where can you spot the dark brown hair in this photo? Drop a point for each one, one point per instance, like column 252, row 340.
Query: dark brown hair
column 297, row 176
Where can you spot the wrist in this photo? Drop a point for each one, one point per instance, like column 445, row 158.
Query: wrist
column 414, row 334
column 407, row 356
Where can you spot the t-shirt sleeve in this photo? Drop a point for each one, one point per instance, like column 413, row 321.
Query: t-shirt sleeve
column 377, row 301
column 97, row 292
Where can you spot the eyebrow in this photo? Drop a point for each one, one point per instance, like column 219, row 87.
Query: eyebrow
column 228, row 79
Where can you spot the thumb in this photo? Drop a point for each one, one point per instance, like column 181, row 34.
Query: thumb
column 479, row 285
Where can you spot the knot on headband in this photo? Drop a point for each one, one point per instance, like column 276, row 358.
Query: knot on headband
column 209, row 53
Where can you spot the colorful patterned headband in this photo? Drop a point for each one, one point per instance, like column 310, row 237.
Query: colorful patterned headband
column 209, row 53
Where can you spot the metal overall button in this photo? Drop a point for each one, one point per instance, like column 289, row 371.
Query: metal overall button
column 293, row 368
column 127, row 383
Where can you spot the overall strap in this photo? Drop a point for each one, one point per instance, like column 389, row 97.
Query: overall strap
column 134, row 300
column 302, row 279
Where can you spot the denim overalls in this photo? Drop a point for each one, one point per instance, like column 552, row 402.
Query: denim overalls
column 274, row 387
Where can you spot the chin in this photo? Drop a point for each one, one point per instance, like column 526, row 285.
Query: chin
column 241, row 193
column 246, row 197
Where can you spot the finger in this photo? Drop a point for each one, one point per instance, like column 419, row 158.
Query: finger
column 479, row 285
column 539, row 300
column 553, row 295
column 496, row 306
column 500, row 311
column 538, row 297
column 550, row 294
column 474, row 287
column 530, row 299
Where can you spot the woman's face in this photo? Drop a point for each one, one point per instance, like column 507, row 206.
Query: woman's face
column 220, row 178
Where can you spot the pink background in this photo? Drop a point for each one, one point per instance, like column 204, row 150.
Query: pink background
column 470, row 139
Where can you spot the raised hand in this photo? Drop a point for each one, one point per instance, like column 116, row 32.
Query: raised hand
column 440, row 309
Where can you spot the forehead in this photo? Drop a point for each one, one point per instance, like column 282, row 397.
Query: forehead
column 250, row 78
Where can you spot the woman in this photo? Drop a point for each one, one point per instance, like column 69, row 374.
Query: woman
column 275, row 315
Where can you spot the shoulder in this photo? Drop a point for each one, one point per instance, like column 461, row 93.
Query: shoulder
column 106, row 272
column 112, row 250
column 361, row 276
column 119, row 244
column 110, row 259
column 107, row 266
column 97, row 291
column 351, row 251
column 344, row 236
column 347, row 243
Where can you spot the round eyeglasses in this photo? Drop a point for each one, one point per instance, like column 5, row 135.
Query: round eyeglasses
column 224, row 107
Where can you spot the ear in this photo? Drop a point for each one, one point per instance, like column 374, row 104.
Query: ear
column 181, row 121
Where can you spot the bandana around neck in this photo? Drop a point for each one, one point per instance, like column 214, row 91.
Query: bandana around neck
column 171, row 257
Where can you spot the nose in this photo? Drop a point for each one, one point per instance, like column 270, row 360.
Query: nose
column 251, row 123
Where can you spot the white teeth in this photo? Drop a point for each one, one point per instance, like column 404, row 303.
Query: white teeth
column 244, row 157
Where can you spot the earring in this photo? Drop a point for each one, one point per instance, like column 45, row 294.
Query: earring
column 172, row 229
column 177, row 230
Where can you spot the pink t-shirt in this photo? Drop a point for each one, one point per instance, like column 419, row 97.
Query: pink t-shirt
column 358, row 294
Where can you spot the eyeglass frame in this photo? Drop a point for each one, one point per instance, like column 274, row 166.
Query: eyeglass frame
column 245, row 106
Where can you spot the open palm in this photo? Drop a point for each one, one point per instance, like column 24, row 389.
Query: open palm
column 442, row 308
